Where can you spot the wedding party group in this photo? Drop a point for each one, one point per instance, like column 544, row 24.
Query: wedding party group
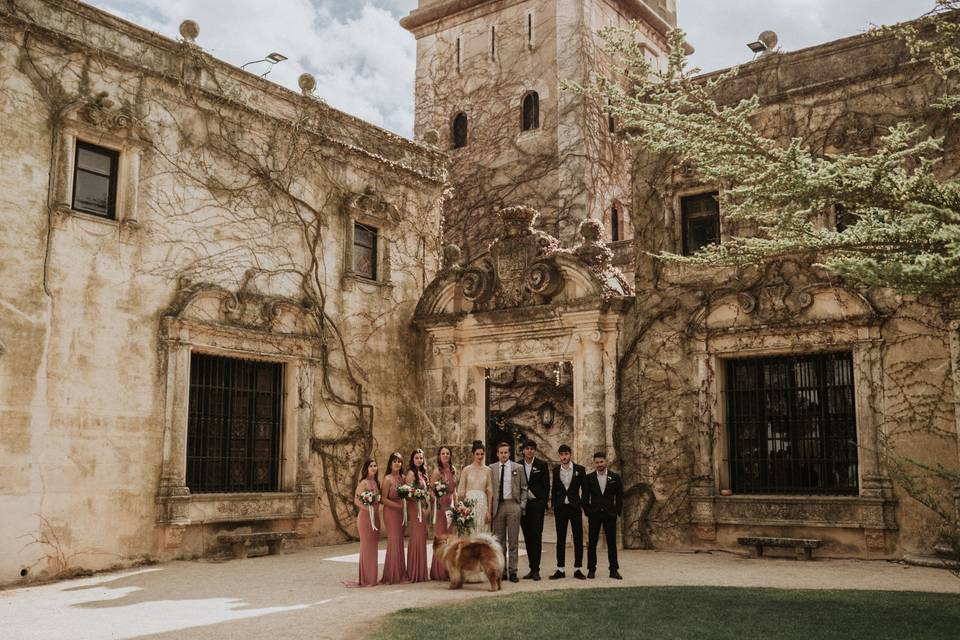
column 465, row 507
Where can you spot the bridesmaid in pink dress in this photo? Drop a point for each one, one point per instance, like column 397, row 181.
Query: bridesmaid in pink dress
column 394, row 568
column 417, row 521
column 446, row 472
column 368, row 526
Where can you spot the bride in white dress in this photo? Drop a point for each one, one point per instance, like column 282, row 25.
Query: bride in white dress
column 476, row 485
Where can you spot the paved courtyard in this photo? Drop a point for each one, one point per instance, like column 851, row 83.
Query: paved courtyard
column 300, row 595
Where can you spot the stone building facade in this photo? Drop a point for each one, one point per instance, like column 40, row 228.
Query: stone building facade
column 210, row 286
column 207, row 284
column 734, row 403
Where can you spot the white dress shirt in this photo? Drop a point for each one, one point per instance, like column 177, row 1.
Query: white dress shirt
column 602, row 479
column 566, row 477
column 507, row 480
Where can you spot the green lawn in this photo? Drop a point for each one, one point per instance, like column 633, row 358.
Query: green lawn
column 685, row 613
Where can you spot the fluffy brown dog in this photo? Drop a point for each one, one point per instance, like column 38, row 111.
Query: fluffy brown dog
column 462, row 556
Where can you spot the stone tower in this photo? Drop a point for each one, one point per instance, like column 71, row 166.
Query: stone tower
column 489, row 91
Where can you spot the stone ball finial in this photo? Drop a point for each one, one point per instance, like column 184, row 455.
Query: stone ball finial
column 307, row 83
column 451, row 255
column 591, row 230
column 189, row 30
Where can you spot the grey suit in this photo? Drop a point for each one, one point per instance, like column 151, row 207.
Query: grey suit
column 506, row 515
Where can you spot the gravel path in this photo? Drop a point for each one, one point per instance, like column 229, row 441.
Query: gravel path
column 300, row 595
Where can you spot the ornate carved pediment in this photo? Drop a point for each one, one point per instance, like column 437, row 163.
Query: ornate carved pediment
column 101, row 112
column 213, row 304
column 519, row 269
column 782, row 292
column 371, row 204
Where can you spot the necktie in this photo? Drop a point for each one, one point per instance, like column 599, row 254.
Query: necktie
column 502, row 469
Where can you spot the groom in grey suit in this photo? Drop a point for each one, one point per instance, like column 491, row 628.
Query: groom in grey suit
column 509, row 501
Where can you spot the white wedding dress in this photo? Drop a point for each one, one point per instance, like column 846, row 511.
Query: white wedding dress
column 475, row 482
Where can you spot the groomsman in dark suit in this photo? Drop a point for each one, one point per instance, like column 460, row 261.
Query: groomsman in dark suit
column 537, row 474
column 567, row 483
column 603, row 502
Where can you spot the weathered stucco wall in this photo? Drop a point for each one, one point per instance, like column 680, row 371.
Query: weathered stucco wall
column 672, row 421
column 227, row 182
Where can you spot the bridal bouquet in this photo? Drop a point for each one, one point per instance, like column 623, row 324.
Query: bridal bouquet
column 403, row 492
column 369, row 498
column 463, row 515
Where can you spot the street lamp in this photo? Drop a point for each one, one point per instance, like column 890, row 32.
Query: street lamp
column 272, row 58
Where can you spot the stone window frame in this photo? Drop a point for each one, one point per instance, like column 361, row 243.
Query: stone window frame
column 118, row 138
column 673, row 215
column 452, row 129
column 865, row 351
column 370, row 210
column 537, row 124
column 295, row 497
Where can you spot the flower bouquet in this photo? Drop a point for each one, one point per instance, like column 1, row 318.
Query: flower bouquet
column 369, row 498
column 463, row 515
column 440, row 489
column 422, row 496
column 403, row 492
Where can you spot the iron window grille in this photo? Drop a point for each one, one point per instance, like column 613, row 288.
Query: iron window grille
column 792, row 424
column 95, row 180
column 701, row 221
column 364, row 251
column 234, row 422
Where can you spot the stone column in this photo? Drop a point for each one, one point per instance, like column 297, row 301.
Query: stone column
column 703, row 490
column 954, row 330
column 589, row 398
column 305, row 487
column 173, row 497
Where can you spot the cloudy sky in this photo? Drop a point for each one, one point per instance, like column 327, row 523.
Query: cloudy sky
column 364, row 62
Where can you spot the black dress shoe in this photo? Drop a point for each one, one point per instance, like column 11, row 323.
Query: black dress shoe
column 592, row 573
column 616, row 575
column 557, row 575
column 529, row 575
column 536, row 576
column 514, row 578
column 579, row 575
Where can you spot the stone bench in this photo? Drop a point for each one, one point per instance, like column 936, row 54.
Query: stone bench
column 804, row 546
column 239, row 542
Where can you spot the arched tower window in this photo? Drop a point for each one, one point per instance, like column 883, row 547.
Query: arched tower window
column 614, row 224
column 460, row 130
column 531, row 111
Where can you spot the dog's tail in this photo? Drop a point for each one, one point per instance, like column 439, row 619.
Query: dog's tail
column 490, row 539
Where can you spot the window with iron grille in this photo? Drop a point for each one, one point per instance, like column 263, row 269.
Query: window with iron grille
column 95, row 180
column 233, row 428
column 701, row 221
column 792, row 424
column 364, row 251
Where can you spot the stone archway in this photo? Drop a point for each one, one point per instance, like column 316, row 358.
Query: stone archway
column 525, row 301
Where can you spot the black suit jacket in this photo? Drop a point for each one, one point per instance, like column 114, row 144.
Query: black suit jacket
column 538, row 482
column 609, row 502
column 573, row 493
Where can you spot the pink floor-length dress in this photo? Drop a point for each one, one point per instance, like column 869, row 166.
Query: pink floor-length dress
column 369, row 541
column 417, row 547
column 437, row 570
column 394, row 568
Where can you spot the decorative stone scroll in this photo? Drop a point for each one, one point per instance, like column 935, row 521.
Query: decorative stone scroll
column 519, row 269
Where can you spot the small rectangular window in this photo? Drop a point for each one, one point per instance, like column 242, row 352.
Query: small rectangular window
column 701, row 221
column 459, row 54
column 364, row 251
column 530, row 30
column 493, row 42
column 95, row 180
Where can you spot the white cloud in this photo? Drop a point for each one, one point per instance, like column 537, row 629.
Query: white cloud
column 362, row 59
